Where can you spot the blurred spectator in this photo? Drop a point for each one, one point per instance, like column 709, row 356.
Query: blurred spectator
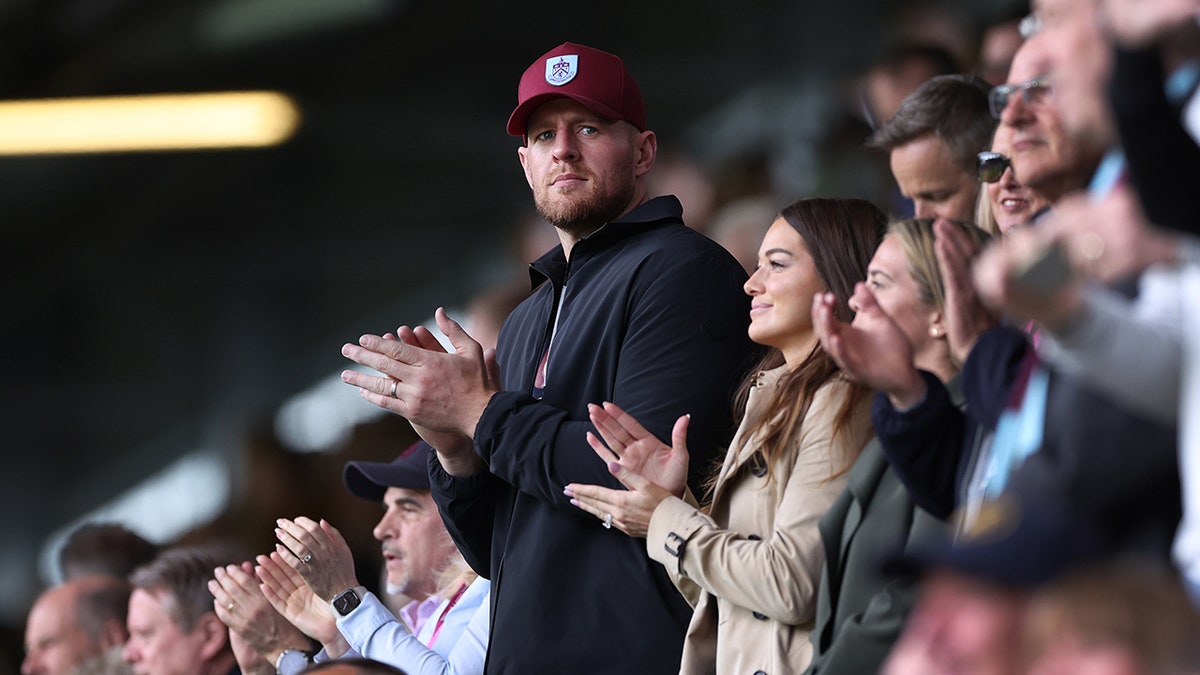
column 78, row 627
column 172, row 626
column 1004, row 203
column 1121, row 618
column 973, row 593
column 1049, row 156
column 739, row 226
column 998, row 42
column 489, row 308
column 1136, row 353
column 940, row 23
column 933, row 140
column 897, row 72
column 103, row 548
column 899, row 322
column 676, row 173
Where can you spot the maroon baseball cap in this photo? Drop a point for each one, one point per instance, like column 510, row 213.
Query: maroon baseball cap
column 594, row 78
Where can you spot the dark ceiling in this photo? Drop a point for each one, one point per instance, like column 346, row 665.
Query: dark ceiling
column 155, row 302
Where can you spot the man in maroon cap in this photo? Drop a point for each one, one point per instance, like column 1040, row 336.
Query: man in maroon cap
column 633, row 307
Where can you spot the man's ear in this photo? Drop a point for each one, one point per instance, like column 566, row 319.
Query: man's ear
column 113, row 633
column 214, row 636
column 522, row 155
column 646, row 147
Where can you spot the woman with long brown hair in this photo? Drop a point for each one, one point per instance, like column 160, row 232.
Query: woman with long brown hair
column 750, row 561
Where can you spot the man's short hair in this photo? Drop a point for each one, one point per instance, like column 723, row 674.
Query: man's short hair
column 955, row 107
column 102, row 598
column 183, row 574
column 104, row 548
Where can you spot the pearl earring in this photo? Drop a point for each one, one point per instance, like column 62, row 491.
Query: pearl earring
column 935, row 332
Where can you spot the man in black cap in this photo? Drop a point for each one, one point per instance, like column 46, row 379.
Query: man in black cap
column 417, row 553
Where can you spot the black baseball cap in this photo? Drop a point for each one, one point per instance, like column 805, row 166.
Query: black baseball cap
column 1016, row 542
column 370, row 480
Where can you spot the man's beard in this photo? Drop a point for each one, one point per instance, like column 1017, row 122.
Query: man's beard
column 582, row 217
column 402, row 586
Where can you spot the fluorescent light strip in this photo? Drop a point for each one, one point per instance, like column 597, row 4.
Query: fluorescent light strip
column 147, row 123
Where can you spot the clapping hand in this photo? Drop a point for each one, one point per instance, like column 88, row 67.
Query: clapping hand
column 650, row 470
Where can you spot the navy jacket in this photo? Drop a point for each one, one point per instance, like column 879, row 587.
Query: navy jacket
column 653, row 317
column 932, row 447
column 1117, row 470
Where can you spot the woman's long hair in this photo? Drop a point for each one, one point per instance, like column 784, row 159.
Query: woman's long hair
column 841, row 236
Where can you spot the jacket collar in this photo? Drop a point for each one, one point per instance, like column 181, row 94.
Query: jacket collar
column 657, row 211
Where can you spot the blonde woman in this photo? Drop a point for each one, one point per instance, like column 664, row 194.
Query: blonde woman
column 897, row 342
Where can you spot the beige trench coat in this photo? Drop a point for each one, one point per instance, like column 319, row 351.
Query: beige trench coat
column 751, row 569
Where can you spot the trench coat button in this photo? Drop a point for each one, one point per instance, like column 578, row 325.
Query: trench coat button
column 760, row 672
column 760, row 616
column 758, row 465
column 754, row 537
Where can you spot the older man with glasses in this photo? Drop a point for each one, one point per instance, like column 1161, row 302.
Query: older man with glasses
column 1044, row 155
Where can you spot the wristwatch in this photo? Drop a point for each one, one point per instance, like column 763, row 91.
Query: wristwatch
column 291, row 662
column 347, row 601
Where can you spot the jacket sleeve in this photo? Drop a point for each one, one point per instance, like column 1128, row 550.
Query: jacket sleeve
column 684, row 349
column 1129, row 351
column 990, row 370
column 924, row 445
column 1161, row 158
column 777, row 575
column 373, row 632
column 862, row 641
column 467, row 505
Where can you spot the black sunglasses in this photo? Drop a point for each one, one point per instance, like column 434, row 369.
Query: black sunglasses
column 990, row 166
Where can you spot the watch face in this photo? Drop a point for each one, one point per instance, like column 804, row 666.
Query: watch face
column 346, row 602
column 292, row 661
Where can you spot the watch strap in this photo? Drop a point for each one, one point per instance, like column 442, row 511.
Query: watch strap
column 348, row 600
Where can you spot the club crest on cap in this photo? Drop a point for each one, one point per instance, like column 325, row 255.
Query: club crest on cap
column 561, row 69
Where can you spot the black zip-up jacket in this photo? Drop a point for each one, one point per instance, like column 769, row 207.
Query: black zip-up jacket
column 653, row 317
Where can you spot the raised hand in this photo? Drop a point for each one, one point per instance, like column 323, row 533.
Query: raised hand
column 637, row 451
column 966, row 316
column 287, row 592
column 649, row 469
column 241, row 605
column 443, row 394
column 318, row 553
column 872, row 350
column 628, row 510
column 439, row 390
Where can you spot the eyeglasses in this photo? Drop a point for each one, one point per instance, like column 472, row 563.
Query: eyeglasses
column 990, row 166
column 1032, row 92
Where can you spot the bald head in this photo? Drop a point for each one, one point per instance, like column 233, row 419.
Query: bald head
column 72, row 624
